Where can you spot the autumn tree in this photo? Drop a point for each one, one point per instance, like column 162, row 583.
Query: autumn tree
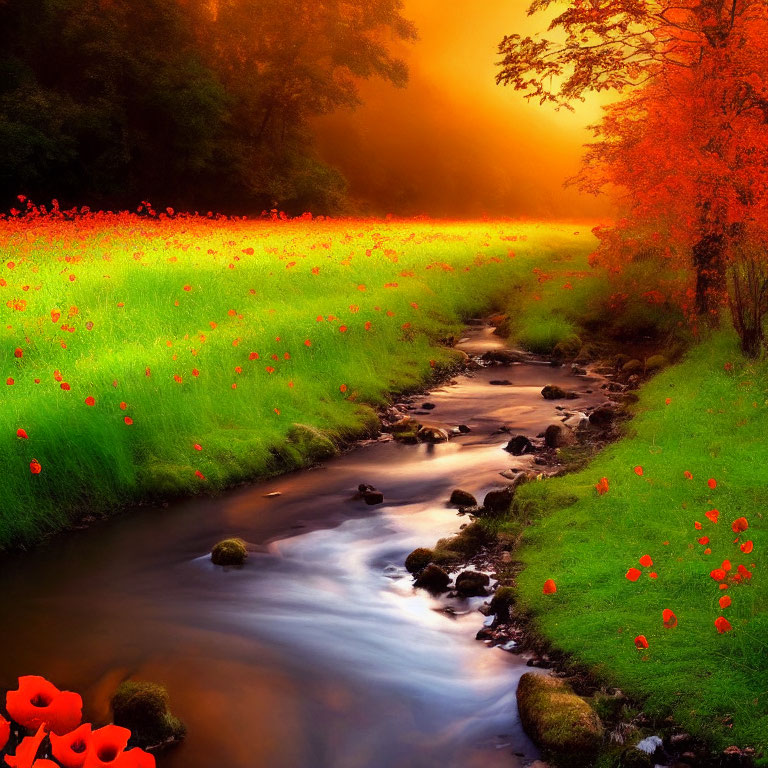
column 685, row 143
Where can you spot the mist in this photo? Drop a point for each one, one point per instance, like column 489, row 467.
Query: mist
column 453, row 143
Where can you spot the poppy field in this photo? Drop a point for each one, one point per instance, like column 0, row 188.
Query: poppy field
column 648, row 566
column 155, row 355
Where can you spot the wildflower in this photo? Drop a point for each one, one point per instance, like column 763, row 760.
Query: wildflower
column 633, row 574
column 35, row 468
column 712, row 483
column 639, row 471
column 549, row 587
column 669, row 618
column 722, row 625
column 21, row 433
column 712, row 515
column 70, row 749
column 646, row 561
column 740, row 525
column 724, row 601
column 38, row 702
column 641, row 643
column 90, row 400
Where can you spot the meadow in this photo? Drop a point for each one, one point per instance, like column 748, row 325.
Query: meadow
column 148, row 357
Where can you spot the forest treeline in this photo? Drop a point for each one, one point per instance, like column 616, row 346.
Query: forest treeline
column 196, row 104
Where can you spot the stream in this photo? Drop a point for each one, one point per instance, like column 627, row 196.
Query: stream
column 318, row 653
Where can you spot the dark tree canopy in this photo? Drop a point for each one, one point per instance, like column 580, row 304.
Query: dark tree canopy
column 190, row 103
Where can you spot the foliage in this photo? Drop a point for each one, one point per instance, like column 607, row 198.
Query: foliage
column 197, row 104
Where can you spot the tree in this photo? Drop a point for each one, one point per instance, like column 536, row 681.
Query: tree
column 685, row 141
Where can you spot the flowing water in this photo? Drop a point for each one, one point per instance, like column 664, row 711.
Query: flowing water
column 318, row 653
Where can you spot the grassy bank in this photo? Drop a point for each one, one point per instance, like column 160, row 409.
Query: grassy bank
column 171, row 356
column 708, row 417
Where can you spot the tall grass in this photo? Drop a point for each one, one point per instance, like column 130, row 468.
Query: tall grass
column 166, row 316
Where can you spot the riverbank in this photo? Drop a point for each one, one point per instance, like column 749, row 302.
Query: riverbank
column 150, row 359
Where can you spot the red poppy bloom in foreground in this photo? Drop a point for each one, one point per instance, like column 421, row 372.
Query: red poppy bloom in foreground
column 70, row 750
column 724, row 601
column 740, row 525
column 602, row 486
column 712, row 483
column 687, row 475
column 5, row 732
column 641, row 643
column 90, row 400
column 34, row 467
column 639, row 471
column 633, row 574
column 722, row 625
column 712, row 515
column 549, row 587
column 747, row 547
column 646, row 561
column 106, row 746
column 27, row 750
column 22, row 433
column 18, row 352
column 39, row 702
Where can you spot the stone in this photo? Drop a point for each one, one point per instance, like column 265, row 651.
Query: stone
column 461, row 498
column 556, row 718
column 143, row 707
column 501, row 603
column 602, row 416
column 519, row 446
column 472, row 583
column 433, row 435
column 500, row 382
column 553, row 392
column 655, row 363
column 500, row 356
column 373, row 497
column 463, row 429
column 567, row 348
column 498, row 500
column 229, row 552
column 632, row 366
column 418, row 560
column 577, row 420
column 559, row 436
column 433, row 578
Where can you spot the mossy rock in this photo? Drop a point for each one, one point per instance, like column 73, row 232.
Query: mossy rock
column 462, row 498
column 445, row 557
column 567, row 348
column 556, row 718
column 311, row 444
column 467, row 543
column 472, row 583
column 143, row 707
column 433, row 578
column 588, row 353
column 502, row 602
column 553, row 392
column 632, row 366
column 419, row 559
column 655, row 363
column 229, row 552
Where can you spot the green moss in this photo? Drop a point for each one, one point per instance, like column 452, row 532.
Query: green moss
column 418, row 559
column 557, row 719
column 143, row 707
column 229, row 552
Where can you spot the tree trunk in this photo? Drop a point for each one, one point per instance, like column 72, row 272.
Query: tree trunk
column 709, row 263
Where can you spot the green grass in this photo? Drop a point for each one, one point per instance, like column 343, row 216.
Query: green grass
column 715, row 426
column 102, row 301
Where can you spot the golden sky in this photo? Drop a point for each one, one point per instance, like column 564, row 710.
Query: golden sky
column 453, row 143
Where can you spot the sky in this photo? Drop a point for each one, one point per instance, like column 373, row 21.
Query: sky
column 453, row 143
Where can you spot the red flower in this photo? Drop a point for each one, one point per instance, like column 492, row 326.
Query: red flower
column 128, row 420
column 199, row 474
column 740, row 525
column 726, row 566
column 123, row 406
column 5, row 732
column 724, row 601
column 639, row 471
column 90, row 400
column 718, row 574
column 35, row 467
column 697, row 525
column 342, row 329
column 106, row 746
column 22, row 433
column 70, row 749
column 687, row 475
column 712, row 515
column 197, row 447
column 704, row 540
column 633, row 574
column 712, row 483
column 343, row 388
column 646, row 561
column 722, row 625
column 9, row 381
column 669, row 618
column 65, row 386
column 549, row 587
column 747, row 547
column 39, row 702
column 18, row 352
column 307, row 343
column 641, row 643
column 187, row 287
column 27, row 750
column 602, row 486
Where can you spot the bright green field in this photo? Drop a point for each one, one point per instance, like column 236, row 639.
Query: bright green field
column 715, row 426
column 167, row 317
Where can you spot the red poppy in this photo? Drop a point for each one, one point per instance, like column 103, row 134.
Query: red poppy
column 128, row 420
column 641, row 643
column 712, row 483
column 697, row 525
column 27, row 750
column 135, row 758
column 35, row 467
column 342, row 329
column 704, row 540
column 123, row 406
column 747, row 547
column 106, row 745
column 639, row 471
column 307, row 343
column 269, row 369
column 669, row 618
column 367, row 325
column 22, row 434
column 668, row 401
column 726, row 566
column 633, row 574
column 549, row 587
column 718, row 574
column 199, row 474
column 18, row 352
column 740, row 525
column 5, row 732
column 707, row 551
column 602, row 486
column 90, row 400
column 39, row 702
column 722, row 625
column 197, row 447
column 65, row 386
column 724, row 601
column 653, row 575
column 187, row 287
column 712, row 515
column 343, row 388
column 70, row 749
column 687, row 475
column 646, row 561
column 9, row 381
